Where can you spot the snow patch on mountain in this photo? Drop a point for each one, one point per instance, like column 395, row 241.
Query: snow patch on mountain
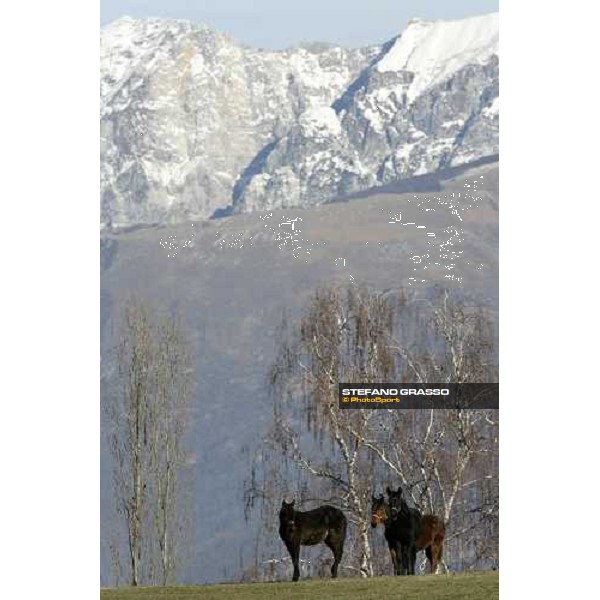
column 494, row 109
column 434, row 50
column 321, row 122
column 186, row 112
column 427, row 102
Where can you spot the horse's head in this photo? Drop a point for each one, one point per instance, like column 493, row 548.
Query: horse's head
column 378, row 511
column 287, row 515
column 396, row 501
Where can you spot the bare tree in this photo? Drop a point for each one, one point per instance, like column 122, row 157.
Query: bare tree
column 146, row 418
column 342, row 337
column 446, row 458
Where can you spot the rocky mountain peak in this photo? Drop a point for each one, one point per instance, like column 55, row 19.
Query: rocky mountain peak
column 194, row 123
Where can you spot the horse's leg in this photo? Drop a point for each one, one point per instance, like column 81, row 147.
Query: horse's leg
column 336, row 562
column 337, row 555
column 413, row 559
column 437, row 557
column 404, row 558
column 429, row 553
column 393, row 556
column 337, row 548
column 295, row 552
column 395, row 559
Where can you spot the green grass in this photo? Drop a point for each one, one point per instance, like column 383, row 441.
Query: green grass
column 475, row 586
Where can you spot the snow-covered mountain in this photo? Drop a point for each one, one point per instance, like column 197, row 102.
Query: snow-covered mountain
column 193, row 122
column 185, row 110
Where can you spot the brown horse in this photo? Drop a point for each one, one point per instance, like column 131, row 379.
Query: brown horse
column 407, row 532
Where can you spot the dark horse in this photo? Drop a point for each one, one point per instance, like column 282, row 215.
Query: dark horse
column 407, row 532
column 325, row 524
column 400, row 533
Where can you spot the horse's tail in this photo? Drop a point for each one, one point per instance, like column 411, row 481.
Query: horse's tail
column 441, row 528
column 343, row 526
column 439, row 532
column 438, row 540
column 336, row 520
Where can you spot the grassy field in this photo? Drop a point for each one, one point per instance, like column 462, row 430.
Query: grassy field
column 476, row 586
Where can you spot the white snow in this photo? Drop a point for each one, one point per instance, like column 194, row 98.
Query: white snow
column 374, row 118
column 453, row 123
column 197, row 65
column 434, row 50
column 494, row 109
column 320, row 122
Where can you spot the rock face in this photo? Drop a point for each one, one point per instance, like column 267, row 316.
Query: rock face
column 186, row 110
column 195, row 124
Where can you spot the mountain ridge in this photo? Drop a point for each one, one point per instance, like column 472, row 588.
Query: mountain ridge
column 195, row 124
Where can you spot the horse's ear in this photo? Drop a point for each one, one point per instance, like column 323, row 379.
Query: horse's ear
column 293, row 502
column 387, row 489
column 399, row 492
